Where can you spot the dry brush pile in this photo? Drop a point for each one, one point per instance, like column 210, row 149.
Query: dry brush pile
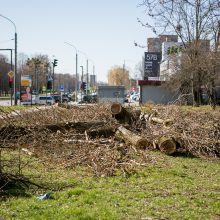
column 91, row 136
column 195, row 131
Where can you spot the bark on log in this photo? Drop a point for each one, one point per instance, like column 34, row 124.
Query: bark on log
column 80, row 126
column 101, row 132
column 11, row 132
column 122, row 114
column 167, row 145
column 132, row 138
column 166, row 122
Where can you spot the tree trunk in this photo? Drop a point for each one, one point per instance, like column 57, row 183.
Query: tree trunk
column 133, row 138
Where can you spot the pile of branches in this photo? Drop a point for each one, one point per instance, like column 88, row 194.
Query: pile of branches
column 87, row 135
column 195, row 131
column 77, row 136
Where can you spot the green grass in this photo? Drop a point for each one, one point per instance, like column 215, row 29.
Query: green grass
column 170, row 188
column 13, row 108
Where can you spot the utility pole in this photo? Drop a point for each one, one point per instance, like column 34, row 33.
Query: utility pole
column 76, row 81
column 15, row 77
column 54, row 64
column 15, row 67
column 87, row 76
column 81, row 82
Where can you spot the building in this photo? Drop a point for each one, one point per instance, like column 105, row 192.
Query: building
column 154, row 91
column 111, row 94
column 151, row 88
column 171, row 56
column 153, row 56
column 92, row 81
column 155, row 44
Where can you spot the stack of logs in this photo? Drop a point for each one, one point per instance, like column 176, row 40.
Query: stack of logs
column 165, row 144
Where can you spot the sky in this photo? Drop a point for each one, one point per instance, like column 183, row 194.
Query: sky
column 104, row 30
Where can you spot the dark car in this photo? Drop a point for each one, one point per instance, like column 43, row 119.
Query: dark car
column 66, row 98
column 57, row 98
column 89, row 99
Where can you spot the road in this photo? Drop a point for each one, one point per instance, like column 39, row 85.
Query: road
column 7, row 102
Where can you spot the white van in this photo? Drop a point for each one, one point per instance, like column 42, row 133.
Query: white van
column 44, row 100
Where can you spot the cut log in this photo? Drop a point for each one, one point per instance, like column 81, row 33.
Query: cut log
column 167, row 145
column 120, row 113
column 80, row 126
column 10, row 132
column 132, row 138
column 166, row 122
column 116, row 108
column 157, row 120
column 104, row 131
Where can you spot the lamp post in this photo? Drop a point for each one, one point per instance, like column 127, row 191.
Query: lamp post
column 15, row 67
column 87, row 69
column 76, row 81
column 81, row 81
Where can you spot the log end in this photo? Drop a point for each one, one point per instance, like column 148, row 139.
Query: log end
column 167, row 145
column 144, row 144
column 116, row 108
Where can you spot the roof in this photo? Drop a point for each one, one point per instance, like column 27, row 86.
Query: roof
column 149, row 83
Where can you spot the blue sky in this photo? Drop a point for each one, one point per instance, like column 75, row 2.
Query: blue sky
column 103, row 29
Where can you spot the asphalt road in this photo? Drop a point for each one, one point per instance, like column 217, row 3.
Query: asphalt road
column 7, row 102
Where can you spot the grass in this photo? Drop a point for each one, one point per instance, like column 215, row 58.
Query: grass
column 169, row 188
column 13, row 108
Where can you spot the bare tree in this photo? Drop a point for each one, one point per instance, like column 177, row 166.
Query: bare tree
column 4, row 69
column 194, row 21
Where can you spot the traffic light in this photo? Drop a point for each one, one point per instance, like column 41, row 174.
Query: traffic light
column 10, row 83
column 49, row 85
column 55, row 62
column 84, row 86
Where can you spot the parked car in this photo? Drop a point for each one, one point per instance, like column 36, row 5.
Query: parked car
column 57, row 98
column 89, row 98
column 44, row 100
column 66, row 98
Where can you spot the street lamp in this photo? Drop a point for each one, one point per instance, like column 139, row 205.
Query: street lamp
column 15, row 67
column 87, row 69
column 81, row 80
column 76, row 81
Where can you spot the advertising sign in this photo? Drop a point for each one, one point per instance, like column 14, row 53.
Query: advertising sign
column 26, row 96
column 26, row 80
column 152, row 64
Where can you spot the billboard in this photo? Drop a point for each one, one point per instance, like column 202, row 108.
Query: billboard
column 26, row 82
column 152, row 64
